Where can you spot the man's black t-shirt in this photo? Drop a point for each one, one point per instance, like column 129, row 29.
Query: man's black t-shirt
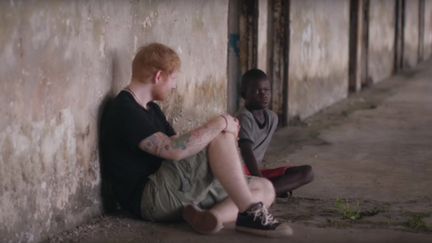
column 124, row 125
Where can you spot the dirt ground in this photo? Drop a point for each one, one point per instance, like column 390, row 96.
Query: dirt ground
column 372, row 158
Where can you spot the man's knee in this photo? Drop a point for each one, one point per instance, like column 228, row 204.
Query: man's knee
column 223, row 137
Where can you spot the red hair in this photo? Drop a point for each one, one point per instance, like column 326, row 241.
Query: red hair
column 152, row 58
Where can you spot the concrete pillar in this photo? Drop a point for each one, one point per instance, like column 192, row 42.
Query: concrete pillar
column 262, row 45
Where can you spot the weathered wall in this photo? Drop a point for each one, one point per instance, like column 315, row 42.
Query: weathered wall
column 411, row 33
column 234, row 74
column 198, row 30
column 318, row 55
column 381, row 39
column 263, row 16
column 59, row 59
column 428, row 30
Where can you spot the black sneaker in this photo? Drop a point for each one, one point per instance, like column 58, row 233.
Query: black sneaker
column 257, row 220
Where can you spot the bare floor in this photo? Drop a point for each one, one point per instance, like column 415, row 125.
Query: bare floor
column 372, row 158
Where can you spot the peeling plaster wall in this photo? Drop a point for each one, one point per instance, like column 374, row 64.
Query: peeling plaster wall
column 198, row 31
column 263, row 17
column 428, row 30
column 381, row 39
column 318, row 55
column 234, row 74
column 60, row 59
column 411, row 34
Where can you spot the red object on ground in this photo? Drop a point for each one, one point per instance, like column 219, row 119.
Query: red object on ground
column 269, row 173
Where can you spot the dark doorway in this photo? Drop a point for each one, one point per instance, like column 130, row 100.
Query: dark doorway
column 248, row 34
column 421, row 30
column 399, row 34
column 358, row 45
column 242, row 45
column 364, row 76
column 279, row 56
column 354, row 41
column 233, row 66
column 243, row 50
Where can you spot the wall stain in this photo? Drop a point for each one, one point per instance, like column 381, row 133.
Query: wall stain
column 54, row 78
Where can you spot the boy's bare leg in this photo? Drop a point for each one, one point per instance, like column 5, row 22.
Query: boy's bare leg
column 294, row 178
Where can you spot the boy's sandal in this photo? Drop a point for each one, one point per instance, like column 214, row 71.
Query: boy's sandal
column 288, row 194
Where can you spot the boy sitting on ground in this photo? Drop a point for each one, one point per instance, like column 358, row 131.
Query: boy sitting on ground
column 258, row 124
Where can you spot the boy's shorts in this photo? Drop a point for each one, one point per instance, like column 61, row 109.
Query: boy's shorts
column 270, row 174
column 179, row 183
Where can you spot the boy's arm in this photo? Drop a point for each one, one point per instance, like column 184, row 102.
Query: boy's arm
column 180, row 147
column 249, row 158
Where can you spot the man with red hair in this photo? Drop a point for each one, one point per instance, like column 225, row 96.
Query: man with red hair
column 160, row 176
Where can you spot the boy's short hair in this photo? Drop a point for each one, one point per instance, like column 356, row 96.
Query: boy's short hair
column 249, row 77
column 153, row 57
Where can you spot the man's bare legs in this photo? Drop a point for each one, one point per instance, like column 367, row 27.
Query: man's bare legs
column 262, row 191
column 226, row 166
column 247, row 203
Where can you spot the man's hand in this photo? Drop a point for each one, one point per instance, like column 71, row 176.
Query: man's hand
column 232, row 125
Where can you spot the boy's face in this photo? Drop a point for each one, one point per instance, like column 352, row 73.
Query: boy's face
column 258, row 94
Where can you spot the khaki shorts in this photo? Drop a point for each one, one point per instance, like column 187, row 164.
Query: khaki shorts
column 179, row 183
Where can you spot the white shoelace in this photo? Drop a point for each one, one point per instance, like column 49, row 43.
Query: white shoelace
column 266, row 217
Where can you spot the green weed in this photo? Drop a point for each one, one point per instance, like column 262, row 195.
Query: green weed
column 348, row 211
column 416, row 223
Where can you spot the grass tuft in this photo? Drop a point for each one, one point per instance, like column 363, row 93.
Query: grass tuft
column 348, row 211
column 416, row 222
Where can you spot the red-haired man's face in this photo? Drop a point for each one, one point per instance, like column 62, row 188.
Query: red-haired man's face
column 165, row 86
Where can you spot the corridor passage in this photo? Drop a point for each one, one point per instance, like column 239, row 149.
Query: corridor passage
column 372, row 158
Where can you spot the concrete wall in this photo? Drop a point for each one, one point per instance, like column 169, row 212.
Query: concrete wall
column 262, row 47
column 381, row 39
column 428, row 30
column 318, row 55
column 60, row 59
column 411, row 33
column 234, row 74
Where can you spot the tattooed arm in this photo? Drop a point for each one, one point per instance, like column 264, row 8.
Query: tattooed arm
column 179, row 147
